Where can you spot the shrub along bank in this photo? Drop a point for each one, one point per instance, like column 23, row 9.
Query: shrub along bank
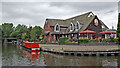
column 67, row 40
column 83, row 40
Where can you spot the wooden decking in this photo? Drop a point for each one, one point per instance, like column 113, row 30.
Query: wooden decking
column 82, row 50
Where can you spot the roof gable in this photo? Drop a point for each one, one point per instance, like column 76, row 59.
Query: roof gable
column 66, row 22
column 84, row 19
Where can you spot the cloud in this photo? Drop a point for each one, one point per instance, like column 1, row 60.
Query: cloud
column 35, row 13
column 59, row 0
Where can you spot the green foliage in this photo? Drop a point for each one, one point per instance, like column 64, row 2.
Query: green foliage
column 21, row 31
column 118, row 27
column 1, row 27
column 63, row 39
column 7, row 29
column 24, row 35
column 115, row 39
column 83, row 40
column 111, row 40
column 35, row 33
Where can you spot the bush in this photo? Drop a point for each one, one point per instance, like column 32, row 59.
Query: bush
column 70, row 40
column 74, row 39
column 41, row 40
column 111, row 40
column 83, row 40
column 92, row 40
column 63, row 39
column 115, row 39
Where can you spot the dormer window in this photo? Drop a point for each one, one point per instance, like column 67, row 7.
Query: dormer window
column 57, row 28
column 71, row 27
column 78, row 25
column 90, row 15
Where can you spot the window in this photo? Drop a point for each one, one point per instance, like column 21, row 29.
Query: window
column 96, row 22
column 90, row 15
column 71, row 27
column 78, row 25
column 57, row 28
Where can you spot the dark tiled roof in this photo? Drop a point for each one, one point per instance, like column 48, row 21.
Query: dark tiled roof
column 82, row 19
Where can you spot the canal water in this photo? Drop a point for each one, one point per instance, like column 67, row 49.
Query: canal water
column 13, row 55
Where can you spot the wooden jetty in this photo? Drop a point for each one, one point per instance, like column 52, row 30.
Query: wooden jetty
column 82, row 50
column 84, row 53
column 10, row 40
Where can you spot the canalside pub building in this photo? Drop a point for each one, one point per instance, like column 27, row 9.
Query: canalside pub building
column 56, row 28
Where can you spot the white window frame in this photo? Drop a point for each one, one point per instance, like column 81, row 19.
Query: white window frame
column 91, row 14
column 72, row 27
column 79, row 25
column 56, row 27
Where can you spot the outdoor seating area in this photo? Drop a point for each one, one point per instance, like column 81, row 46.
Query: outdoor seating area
column 89, row 36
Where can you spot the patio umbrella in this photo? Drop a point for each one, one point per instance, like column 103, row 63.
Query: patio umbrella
column 101, row 32
column 87, row 31
column 108, row 32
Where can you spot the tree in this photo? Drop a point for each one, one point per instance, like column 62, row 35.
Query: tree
column 19, row 30
column 24, row 36
column 118, row 28
column 35, row 33
column 7, row 29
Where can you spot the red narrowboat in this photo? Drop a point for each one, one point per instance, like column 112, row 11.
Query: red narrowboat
column 32, row 46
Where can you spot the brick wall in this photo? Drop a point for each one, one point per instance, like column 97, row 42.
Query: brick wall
column 51, row 29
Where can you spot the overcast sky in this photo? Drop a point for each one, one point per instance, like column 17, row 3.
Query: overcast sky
column 35, row 13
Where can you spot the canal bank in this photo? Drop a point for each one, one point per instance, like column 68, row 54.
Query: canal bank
column 79, row 50
column 13, row 55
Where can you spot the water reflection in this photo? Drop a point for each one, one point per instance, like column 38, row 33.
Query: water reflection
column 31, row 55
column 59, row 60
column 18, row 56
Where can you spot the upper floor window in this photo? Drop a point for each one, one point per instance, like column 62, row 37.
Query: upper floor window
column 71, row 27
column 90, row 15
column 78, row 25
column 57, row 28
column 96, row 22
